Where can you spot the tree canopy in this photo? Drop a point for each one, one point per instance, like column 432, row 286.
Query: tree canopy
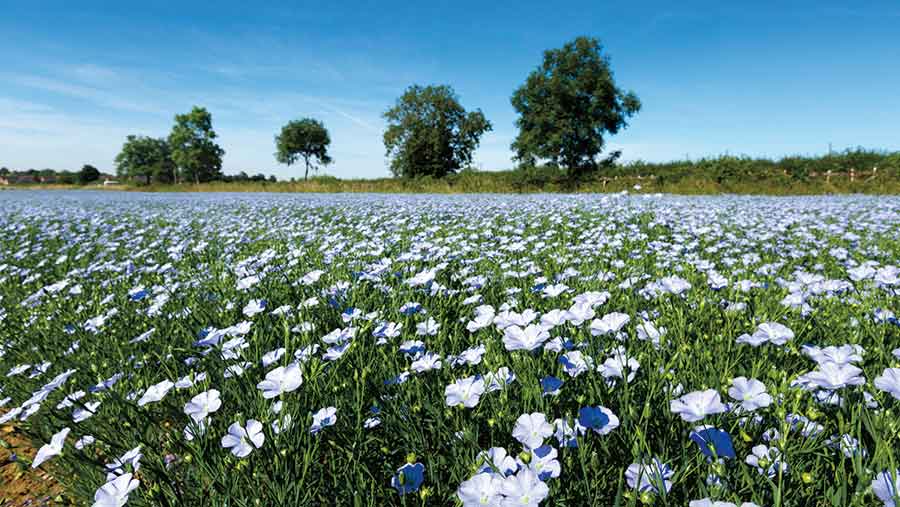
column 194, row 150
column 567, row 105
column 88, row 174
column 146, row 157
column 430, row 134
column 307, row 139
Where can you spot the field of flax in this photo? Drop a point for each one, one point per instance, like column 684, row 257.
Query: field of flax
column 362, row 350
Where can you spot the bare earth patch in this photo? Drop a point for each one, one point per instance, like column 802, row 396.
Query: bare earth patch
column 19, row 484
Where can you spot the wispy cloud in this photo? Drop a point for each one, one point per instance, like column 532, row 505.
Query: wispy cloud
column 655, row 21
column 353, row 118
column 34, row 135
column 11, row 105
column 851, row 10
column 95, row 74
column 97, row 96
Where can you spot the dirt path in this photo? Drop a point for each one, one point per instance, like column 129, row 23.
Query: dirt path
column 19, row 484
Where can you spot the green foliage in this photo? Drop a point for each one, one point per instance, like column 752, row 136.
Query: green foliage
column 194, row 150
column 567, row 106
column 891, row 164
column 88, row 174
column 243, row 177
column 795, row 167
column 147, row 158
column 725, row 174
column 530, row 176
column 67, row 177
column 729, row 169
column 307, row 139
column 430, row 134
column 326, row 179
column 793, row 175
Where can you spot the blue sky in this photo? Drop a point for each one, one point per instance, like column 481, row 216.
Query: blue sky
column 761, row 78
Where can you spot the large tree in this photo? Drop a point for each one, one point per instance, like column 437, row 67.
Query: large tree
column 567, row 106
column 194, row 148
column 307, row 139
column 430, row 134
column 146, row 157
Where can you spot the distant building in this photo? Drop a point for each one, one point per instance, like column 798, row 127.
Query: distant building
column 4, row 180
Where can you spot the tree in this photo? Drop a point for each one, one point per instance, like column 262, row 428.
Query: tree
column 567, row 105
column 307, row 139
column 193, row 146
column 430, row 134
column 88, row 174
column 69, row 177
column 146, row 157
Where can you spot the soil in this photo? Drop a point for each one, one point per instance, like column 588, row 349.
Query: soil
column 20, row 486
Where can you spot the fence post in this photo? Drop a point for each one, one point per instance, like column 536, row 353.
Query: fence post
column 828, row 176
column 852, row 175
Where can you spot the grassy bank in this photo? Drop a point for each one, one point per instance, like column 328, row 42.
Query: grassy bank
column 857, row 171
column 505, row 182
column 511, row 182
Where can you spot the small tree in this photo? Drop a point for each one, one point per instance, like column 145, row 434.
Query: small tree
column 193, row 146
column 88, row 174
column 146, row 157
column 307, row 139
column 567, row 105
column 430, row 134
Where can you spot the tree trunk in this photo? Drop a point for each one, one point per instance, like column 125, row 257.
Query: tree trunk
column 306, row 174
